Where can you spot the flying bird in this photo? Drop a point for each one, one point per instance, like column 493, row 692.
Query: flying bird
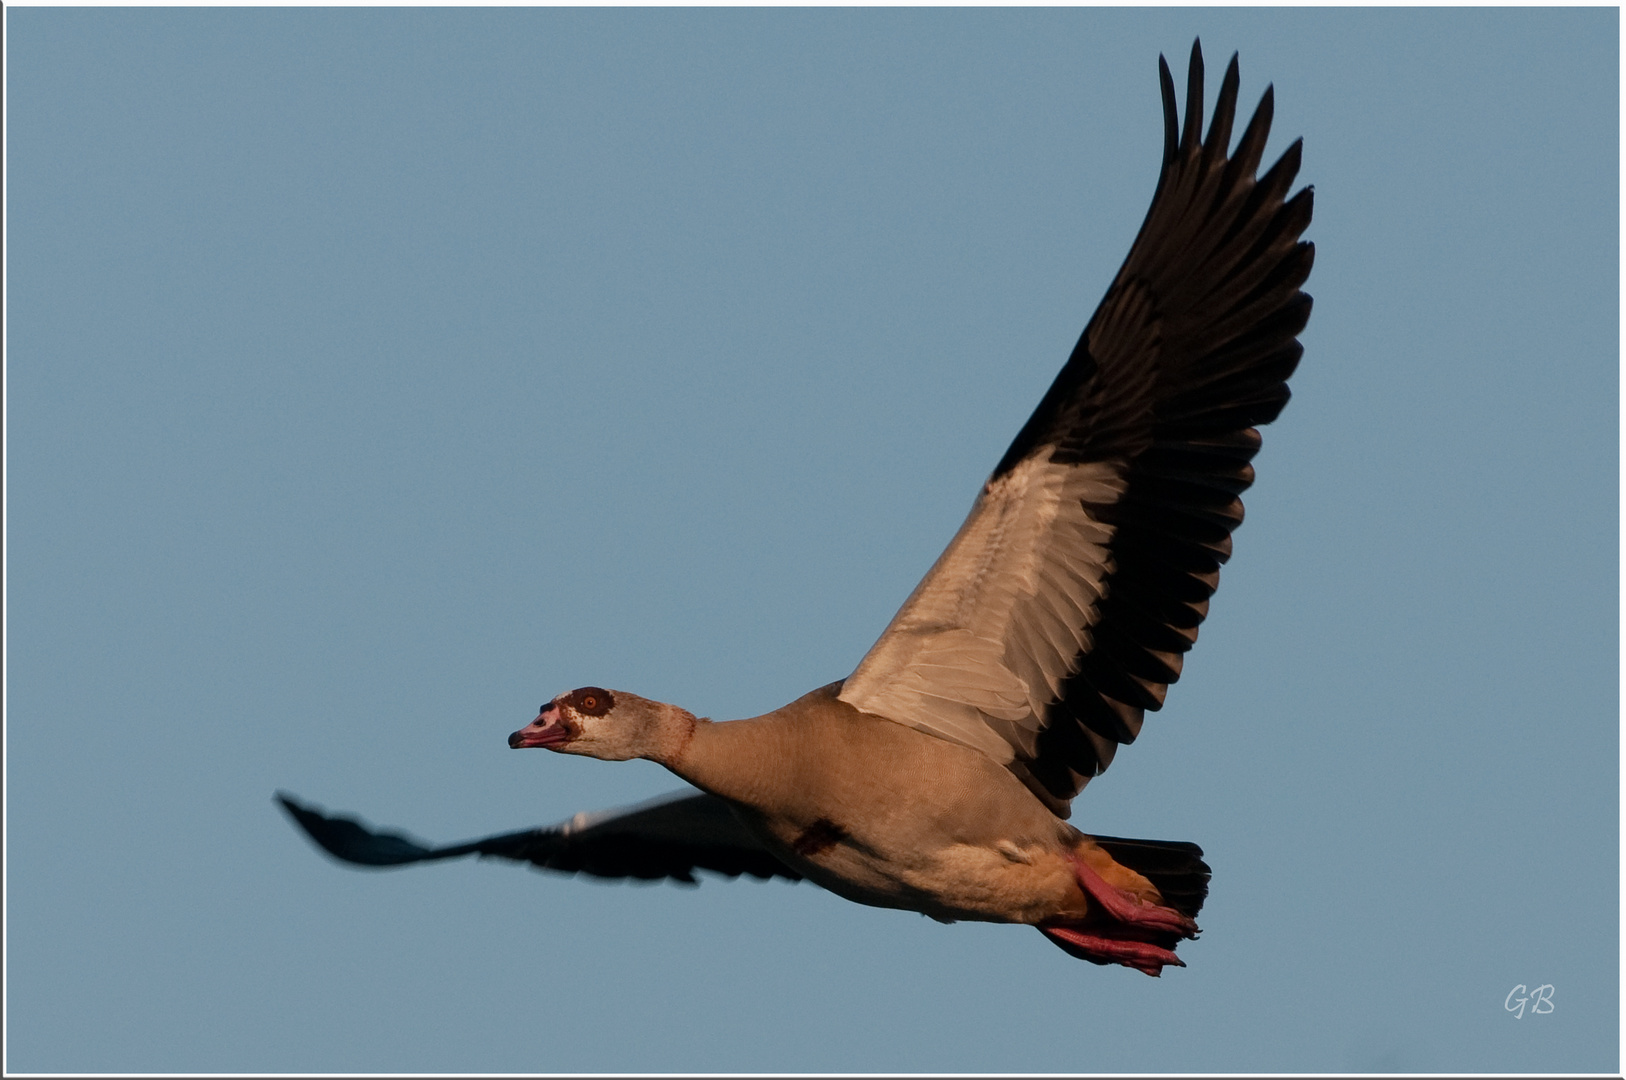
column 938, row 777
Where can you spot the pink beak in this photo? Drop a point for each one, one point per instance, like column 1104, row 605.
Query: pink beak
column 548, row 729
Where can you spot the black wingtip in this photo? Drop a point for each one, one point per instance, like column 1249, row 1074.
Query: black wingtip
column 1251, row 147
column 1219, row 128
column 293, row 807
column 351, row 842
column 1287, row 166
column 1304, row 205
column 1171, row 112
column 1191, row 137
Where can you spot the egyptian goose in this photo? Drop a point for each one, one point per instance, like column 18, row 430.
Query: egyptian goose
column 937, row 776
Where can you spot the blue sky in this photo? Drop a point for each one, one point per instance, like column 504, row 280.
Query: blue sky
column 375, row 375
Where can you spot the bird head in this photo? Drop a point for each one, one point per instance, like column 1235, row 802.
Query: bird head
column 611, row 725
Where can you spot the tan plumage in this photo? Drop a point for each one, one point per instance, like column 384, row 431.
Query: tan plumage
column 937, row 776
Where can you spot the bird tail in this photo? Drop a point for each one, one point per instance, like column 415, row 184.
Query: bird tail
column 1175, row 868
column 1125, row 924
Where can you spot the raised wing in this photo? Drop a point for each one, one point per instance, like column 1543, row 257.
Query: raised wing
column 670, row 837
column 1064, row 606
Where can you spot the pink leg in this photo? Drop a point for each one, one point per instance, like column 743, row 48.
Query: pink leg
column 1140, row 955
column 1129, row 909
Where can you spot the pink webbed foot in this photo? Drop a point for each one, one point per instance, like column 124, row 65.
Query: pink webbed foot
column 1129, row 909
column 1122, row 928
column 1098, row 949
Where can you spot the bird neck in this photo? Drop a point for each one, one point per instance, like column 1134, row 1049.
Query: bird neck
column 746, row 761
column 668, row 735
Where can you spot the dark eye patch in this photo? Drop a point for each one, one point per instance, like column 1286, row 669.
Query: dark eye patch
column 592, row 701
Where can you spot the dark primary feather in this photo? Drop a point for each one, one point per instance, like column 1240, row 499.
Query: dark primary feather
column 670, row 837
column 1190, row 349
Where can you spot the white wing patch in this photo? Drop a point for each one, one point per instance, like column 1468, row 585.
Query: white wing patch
column 990, row 633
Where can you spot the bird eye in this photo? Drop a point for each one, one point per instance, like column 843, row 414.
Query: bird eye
column 592, row 700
